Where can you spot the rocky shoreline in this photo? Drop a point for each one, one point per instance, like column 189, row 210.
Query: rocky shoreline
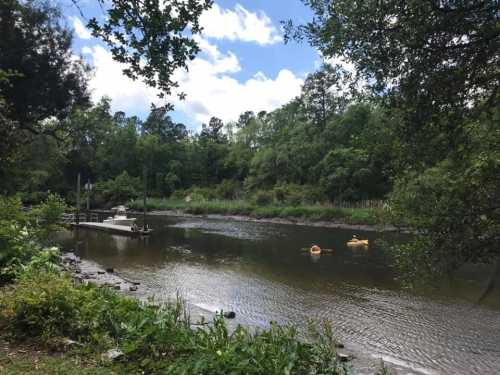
column 84, row 272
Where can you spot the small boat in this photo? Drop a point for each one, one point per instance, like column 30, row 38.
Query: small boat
column 120, row 217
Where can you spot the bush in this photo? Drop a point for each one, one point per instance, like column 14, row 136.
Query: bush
column 263, row 198
column 228, row 189
column 179, row 195
column 34, row 197
column 157, row 339
column 22, row 234
column 118, row 190
column 47, row 216
column 295, row 195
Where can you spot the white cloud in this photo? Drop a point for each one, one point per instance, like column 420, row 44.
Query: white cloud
column 210, row 87
column 212, row 91
column 108, row 80
column 239, row 24
column 81, row 31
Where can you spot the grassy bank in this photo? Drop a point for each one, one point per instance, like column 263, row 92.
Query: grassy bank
column 364, row 216
column 23, row 360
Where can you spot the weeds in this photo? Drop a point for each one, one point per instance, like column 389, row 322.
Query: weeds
column 368, row 216
column 155, row 338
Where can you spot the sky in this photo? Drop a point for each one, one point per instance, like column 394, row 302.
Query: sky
column 243, row 65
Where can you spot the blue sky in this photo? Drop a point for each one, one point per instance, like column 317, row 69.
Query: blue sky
column 244, row 64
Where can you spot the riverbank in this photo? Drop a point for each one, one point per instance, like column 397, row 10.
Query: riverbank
column 35, row 359
column 53, row 305
column 312, row 215
column 128, row 336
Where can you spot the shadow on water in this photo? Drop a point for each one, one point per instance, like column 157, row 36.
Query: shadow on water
column 261, row 272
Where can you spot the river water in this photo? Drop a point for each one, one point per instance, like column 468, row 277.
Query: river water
column 260, row 271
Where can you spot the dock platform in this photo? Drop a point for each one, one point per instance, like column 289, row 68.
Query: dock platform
column 112, row 228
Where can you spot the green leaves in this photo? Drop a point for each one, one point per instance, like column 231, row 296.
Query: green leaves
column 152, row 38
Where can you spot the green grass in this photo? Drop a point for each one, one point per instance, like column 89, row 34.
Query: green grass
column 367, row 216
column 49, row 365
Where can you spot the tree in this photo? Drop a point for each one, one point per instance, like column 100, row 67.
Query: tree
column 435, row 65
column 153, row 38
column 454, row 208
column 437, row 61
column 319, row 98
column 44, row 80
column 160, row 124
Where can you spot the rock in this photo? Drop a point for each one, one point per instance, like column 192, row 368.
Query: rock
column 136, row 283
column 117, row 287
column 229, row 315
column 339, row 345
column 112, row 354
column 101, row 272
column 133, row 288
column 343, row 357
column 110, row 270
column 69, row 343
column 78, row 270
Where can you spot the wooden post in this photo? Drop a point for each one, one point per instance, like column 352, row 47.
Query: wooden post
column 87, row 189
column 78, row 199
column 144, row 177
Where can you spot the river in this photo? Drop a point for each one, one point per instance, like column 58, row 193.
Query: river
column 260, row 271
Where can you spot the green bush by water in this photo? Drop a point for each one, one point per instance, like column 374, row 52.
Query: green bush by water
column 156, row 338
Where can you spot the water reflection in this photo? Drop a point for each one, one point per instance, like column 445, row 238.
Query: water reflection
column 262, row 272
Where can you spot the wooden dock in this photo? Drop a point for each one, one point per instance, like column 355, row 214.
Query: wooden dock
column 112, row 228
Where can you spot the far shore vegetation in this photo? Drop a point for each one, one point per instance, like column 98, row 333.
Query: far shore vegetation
column 311, row 212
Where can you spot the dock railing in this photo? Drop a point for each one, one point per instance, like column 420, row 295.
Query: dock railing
column 70, row 218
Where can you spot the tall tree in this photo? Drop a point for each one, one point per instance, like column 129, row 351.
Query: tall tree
column 320, row 94
column 161, row 124
column 436, row 64
column 44, row 80
column 435, row 60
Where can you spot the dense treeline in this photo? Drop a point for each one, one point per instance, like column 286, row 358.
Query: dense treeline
column 348, row 155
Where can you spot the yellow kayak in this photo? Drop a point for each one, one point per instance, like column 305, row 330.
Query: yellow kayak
column 315, row 250
column 356, row 242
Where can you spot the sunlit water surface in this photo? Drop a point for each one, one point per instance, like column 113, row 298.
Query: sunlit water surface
column 260, row 271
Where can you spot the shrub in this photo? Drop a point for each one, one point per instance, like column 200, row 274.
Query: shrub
column 263, row 198
column 22, row 234
column 158, row 339
column 118, row 190
column 47, row 216
column 295, row 195
column 179, row 194
column 228, row 189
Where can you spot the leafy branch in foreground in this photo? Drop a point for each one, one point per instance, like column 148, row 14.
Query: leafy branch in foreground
column 152, row 38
